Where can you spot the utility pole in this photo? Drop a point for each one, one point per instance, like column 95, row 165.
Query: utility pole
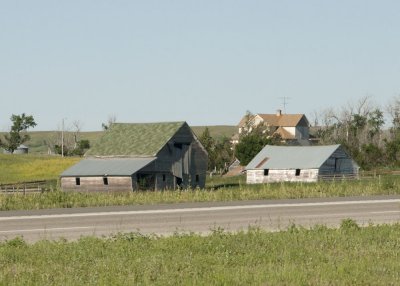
column 62, row 138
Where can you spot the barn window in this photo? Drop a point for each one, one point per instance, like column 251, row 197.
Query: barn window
column 163, row 177
column 178, row 145
column 297, row 172
column 266, row 172
column 105, row 180
column 197, row 178
column 78, row 181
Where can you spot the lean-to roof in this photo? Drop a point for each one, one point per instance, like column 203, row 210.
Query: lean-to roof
column 107, row 167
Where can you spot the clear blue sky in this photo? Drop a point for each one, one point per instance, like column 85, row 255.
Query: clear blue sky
column 205, row 62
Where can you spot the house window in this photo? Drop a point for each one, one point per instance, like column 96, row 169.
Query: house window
column 78, row 181
column 266, row 172
column 197, row 178
column 163, row 177
column 297, row 172
column 105, row 180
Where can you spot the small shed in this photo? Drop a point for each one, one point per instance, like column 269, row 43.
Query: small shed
column 300, row 164
column 148, row 156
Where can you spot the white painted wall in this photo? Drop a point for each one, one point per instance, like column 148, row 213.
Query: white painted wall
column 257, row 176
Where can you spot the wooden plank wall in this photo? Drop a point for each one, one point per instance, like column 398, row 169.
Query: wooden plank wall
column 97, row 184
column 258, row 177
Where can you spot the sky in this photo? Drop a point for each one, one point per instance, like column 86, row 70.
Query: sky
column 204, row 62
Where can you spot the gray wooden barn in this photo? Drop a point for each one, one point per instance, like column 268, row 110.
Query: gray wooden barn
column 150, row 156
column 300, row 164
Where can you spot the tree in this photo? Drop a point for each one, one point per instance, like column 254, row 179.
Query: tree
column 249, row 146
column 223, row 154
column 17, row 134
column 220, row 152
column 209, row 144
column 111, row 119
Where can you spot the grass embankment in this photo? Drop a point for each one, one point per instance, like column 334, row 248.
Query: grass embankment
column 218, row 189
column 346, row 256
column 22, row 168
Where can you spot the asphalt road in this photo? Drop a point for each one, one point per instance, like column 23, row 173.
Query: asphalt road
column 272, row 215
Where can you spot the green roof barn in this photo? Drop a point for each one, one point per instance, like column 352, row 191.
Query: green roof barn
column 140, row 156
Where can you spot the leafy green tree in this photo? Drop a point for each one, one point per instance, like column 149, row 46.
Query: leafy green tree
column 223, row 154
column 249, row 146
column 81, row 148
column 220, row 152
column 17, row 134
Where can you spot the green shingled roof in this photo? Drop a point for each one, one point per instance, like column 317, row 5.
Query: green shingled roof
column 134, row 139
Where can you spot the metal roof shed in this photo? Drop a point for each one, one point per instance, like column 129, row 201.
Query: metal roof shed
column 300, row 164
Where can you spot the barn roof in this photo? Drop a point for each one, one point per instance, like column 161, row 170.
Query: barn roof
column 134, row 139
column 107, row 167
column 291, row 157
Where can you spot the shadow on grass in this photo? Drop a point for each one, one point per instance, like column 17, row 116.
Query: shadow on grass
column 219, row 186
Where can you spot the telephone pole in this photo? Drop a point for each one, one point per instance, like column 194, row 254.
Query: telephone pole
column 62, row 138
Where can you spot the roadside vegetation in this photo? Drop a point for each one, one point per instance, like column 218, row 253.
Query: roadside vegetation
column 349, row 255
column 218, row 189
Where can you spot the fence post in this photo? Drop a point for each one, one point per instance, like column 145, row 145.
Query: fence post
column 24, row 189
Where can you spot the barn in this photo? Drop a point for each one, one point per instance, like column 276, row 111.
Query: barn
column 300, row 164
column 148, row 156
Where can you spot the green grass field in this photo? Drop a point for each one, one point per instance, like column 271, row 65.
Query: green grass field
column 346, row 256
column 22, row 168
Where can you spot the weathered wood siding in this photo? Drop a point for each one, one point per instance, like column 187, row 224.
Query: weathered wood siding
column 96, row 184
column 189, row 162
column 302, row 133
column 198, row 166
column 182, row 157
column 339, row 163
column 258, row 177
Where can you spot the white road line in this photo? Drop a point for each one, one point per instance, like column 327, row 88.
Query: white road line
column 386, row 212
column 46, row 229
column 199, row 209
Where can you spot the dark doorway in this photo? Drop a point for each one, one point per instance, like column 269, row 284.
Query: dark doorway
column 145, row 181
column 179, row 182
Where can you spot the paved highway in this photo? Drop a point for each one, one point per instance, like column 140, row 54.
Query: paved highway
column 271, row 215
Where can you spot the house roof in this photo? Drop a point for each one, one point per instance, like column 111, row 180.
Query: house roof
column 285, row 120
column 291, row 157
column 134, row 139
column 284, row 134
column 107, row 167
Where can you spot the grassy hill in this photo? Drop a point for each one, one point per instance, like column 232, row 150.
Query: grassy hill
column 30, row 167
column 37, row 143
column 218, row 131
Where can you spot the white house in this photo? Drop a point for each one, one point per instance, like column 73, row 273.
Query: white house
column 292, row 128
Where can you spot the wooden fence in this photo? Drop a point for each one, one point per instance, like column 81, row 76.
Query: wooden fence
column 25, row 187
